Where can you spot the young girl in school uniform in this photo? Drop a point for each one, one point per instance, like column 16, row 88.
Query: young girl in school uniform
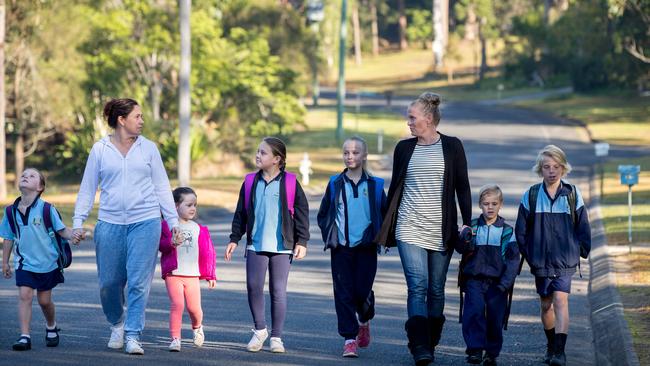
column 35, row 256
column 349, row 217
column 183, row 264
column 272, row 211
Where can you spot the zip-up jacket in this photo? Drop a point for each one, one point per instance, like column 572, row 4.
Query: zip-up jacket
column 551, row 243
column 133, row 188
column 295, row 229
column 495, row 256
column 169, row 257
column 455, row 184
column 328, row 210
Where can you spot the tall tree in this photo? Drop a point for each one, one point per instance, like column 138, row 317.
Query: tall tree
column 184, row 95
column 483, row 10
column 440, row 18
column 3, row 141
column 374, row 27
column 403, row 44
column 356, row 29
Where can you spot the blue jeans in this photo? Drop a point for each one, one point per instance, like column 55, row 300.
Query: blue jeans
column 426, row 273
column 126, row 256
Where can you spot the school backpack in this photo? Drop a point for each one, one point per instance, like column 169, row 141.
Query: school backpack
column 289, row 185
column 61, row 244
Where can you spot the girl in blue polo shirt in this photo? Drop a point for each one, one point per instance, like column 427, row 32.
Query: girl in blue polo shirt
column 349, row 217
column 274, row 214
column 35, row 256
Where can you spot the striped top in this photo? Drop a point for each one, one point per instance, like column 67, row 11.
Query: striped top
column 419, row 217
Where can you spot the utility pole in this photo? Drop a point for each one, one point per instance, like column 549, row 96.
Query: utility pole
column 184, row 139
column 340, row 90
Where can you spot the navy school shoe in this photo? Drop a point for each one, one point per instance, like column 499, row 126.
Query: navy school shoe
column 52, row 341
column 474, row 357
column 489, row 360
column 22, row 344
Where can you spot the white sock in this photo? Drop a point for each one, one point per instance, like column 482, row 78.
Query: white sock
column 50, row 331
column 22, row 340
column 348, row 341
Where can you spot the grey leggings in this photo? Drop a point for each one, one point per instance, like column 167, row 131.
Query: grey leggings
column 278, row 265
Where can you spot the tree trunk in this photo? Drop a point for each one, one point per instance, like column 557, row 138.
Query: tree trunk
column 156, row 92
column 375, row 28
column 184, row 139
column 357, row 34
column 402, row 25
column 3, row 140
column 440, row 19
column 19, row 156
column 483, row 68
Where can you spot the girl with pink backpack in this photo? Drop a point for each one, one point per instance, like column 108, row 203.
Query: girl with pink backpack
column 273, row 213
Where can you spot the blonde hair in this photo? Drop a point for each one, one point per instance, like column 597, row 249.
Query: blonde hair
column 490, row 189
column 363, row 144
column 429, row 102
column 554, row 153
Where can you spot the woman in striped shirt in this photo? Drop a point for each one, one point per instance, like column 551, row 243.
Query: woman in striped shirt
column 429, row 172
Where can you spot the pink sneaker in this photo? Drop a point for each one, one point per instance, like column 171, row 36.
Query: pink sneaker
column 363, row 338
column 350, row 349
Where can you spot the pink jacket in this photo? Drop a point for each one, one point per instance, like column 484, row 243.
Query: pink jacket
column 169, row 260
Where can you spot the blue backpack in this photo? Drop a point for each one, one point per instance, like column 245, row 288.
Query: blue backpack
column 61, row 244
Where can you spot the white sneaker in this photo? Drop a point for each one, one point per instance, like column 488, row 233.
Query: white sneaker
column 199, row 337
column 276, row 345
column 117, row 337
column 133, row 346
column 175, row 346
column 257, row 340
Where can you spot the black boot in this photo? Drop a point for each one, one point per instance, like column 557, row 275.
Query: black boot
column 559, row 358
column 435, row 331
column 418, row 335
column 550, row 345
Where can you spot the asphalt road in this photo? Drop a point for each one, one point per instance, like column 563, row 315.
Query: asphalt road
column 501, row 144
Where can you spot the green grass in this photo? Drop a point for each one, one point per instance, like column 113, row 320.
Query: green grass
column 616, row 117
column 614, row 205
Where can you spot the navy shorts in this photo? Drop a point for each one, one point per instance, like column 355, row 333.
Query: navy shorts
column 39, row 281
column 547, row 285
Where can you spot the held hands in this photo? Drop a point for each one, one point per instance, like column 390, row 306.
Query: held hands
column 229, row 250
column 177, row 238
column 78, row 235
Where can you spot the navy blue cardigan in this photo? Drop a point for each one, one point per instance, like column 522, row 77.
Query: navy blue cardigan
column 328, row 209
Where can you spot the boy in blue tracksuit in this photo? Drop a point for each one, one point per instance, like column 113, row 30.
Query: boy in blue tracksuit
column 349, row 217
column 553, row 233
column 488, row 269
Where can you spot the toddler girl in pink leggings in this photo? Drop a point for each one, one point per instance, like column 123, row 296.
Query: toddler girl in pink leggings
column 183, row 263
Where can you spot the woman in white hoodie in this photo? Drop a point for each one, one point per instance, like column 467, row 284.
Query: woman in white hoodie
column 134, row 190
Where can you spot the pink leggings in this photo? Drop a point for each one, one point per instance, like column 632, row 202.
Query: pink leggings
column 183, row 290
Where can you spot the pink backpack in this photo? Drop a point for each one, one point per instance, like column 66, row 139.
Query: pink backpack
column 289, row 185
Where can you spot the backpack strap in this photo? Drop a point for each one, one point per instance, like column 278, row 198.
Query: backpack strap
column 290, row 187
column 11, row 218
column 248, row 186
column 506, row 234
column 572, row 204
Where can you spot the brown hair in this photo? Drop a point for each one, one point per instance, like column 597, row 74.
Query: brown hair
column 40, row 176
column 179, row 192
column 118, row 108
column 429, row 103
column 278, row 148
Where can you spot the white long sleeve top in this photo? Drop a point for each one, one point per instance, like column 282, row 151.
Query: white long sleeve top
column 133, row 188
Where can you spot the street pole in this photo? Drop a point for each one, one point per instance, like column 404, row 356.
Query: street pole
column 629, row 217
column 340, row 90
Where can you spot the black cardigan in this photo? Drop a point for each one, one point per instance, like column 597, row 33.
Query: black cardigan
column 295, row 230
column 456, row 183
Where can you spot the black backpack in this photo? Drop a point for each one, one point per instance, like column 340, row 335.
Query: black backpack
column 61, row 244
